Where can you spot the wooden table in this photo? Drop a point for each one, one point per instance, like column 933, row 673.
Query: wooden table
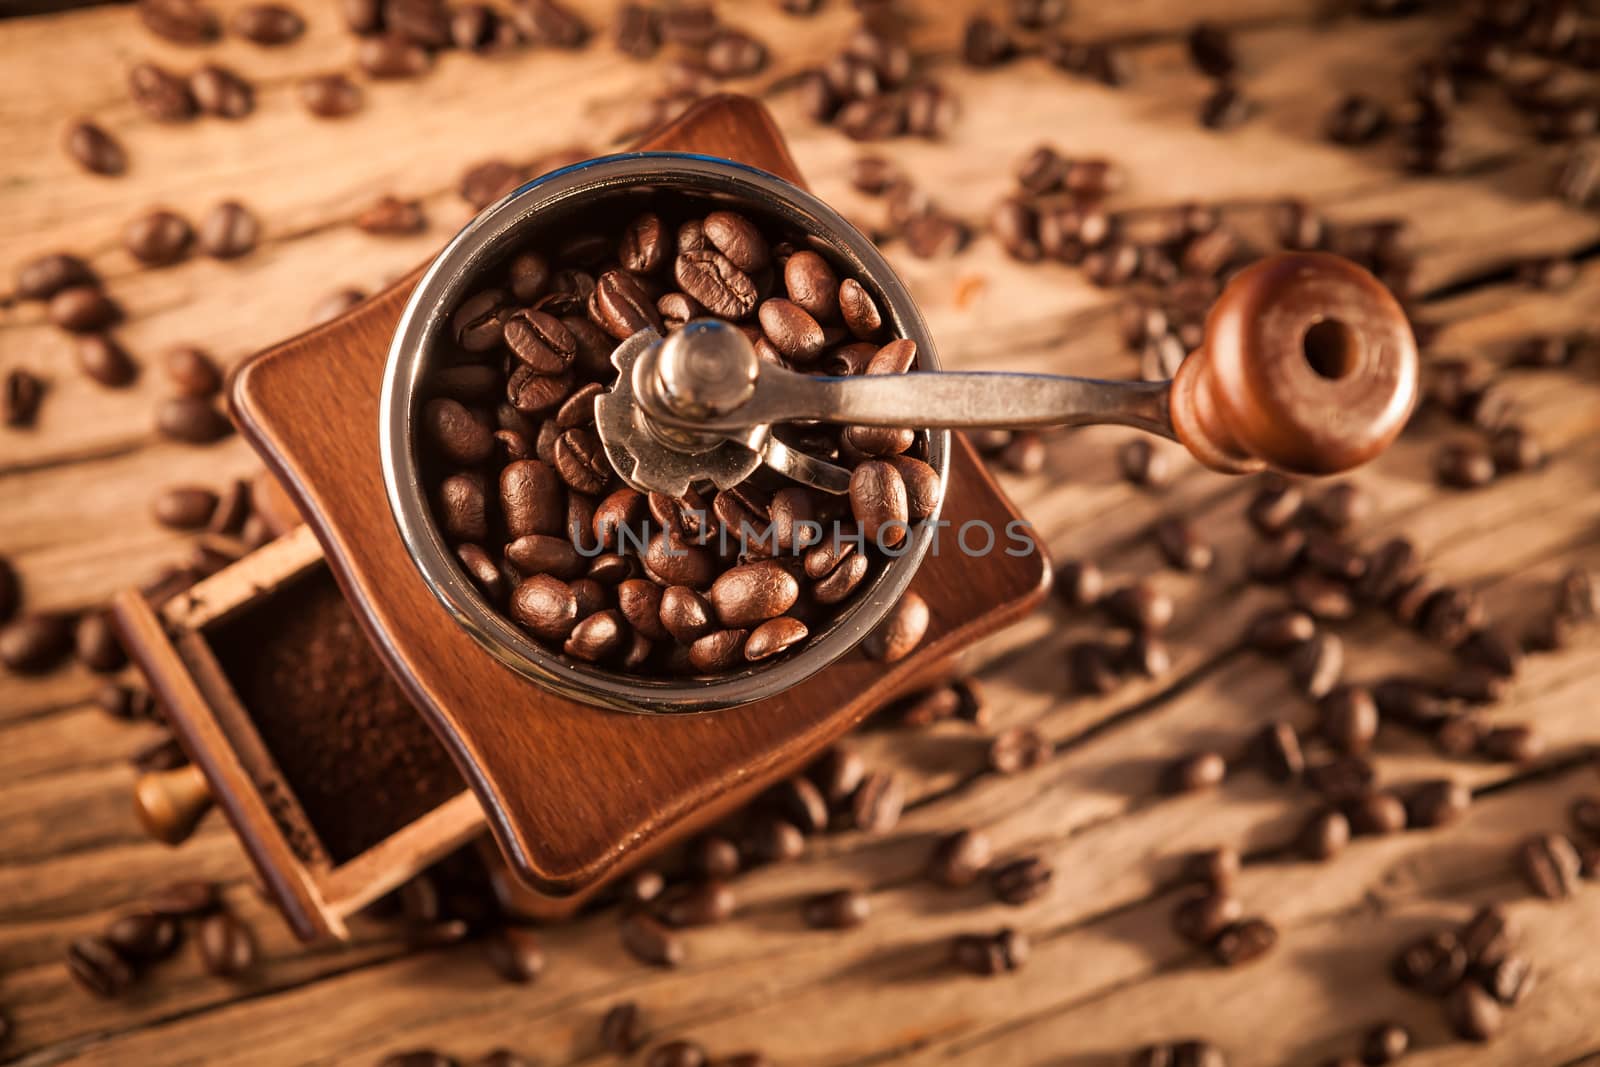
column 1106, row 974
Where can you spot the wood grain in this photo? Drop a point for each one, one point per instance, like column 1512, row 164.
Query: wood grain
column 1106, row 973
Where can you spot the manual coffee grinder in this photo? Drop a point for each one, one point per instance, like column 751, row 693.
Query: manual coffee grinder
column 580, row 774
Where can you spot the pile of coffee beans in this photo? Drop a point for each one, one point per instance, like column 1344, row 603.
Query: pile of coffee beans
column 524, row 493
column 1210, row 916
column 872, row 89
column 1475, row 969
column 108, row 964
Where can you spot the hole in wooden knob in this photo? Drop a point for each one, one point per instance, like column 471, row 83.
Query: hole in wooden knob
column 1332, row 349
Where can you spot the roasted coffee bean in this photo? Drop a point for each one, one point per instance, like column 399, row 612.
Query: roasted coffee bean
column 98, row 967
column 990, row 954
column 842, row 909
column 598, row 637
column 1318, row 664
column 622, row 1030
column 1020, row 749
column 712, row 857
column 1278, row 746
column 44, row 276
column 1349, row 719
column 769, row 839
column 1200, row 770
column 650, row 942
column 192, row 372
column 1550, row 865
column 1341, row 780
column 1332, row 558
column 1514, row 450
column 33, row 644
column 219, row 91
column 581, row 461
column 392, row 56
column 960, row 859
column 1376, row 813
column 1437, row 803
column 1182, row 545
column 1487, row 936
column 939, row 704
column 158, row 238
column 161, row 94
column 676, row 1054
column 1322, row 598
column 546, row 606
column 1384, row 1044
column 901, row 630
column 1433, row 964
column 792, row 330
column 330, row 96
column 717, row 651
column 97, row 645
column 1200, row 918
column 1139, row 606
column 859, row 310
column 1143, row 464
column 1464, row 465
column 549, row 23
column 192, row 420
column 696, row 904
column 1274, row 508
column 685, row 614
column 1091, row 668
column 1211, row 50
column 143, row 937
column 1493, row 650
column 267, row 24
column 1021, row 881
column 541, row 341
column 227, row 947
column 1215, row 867
column 390, row 215
column 1388, row 570
column 1449, row 616
column 774, row 637
column 1226, row 107
column 622, row 307
column 531, row 498
column 102, row 359
column 1280, row 631
column 94, row 149
column 1244, row 941
column 875, row 807
column 179, row 21
column 1473, row 1013
column 1080, row 583
column 1324, row 835
column 462, row 436
column 185, row 507
column 716, row 283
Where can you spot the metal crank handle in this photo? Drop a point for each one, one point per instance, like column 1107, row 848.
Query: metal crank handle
column 1308, row 365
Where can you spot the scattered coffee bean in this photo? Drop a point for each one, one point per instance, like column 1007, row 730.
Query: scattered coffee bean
column 960, row 859
column 103, row 359
column 33, row 644
column 1018, row 749
column 392, row 56
column 161, row 94
column 1004, row 951
column 267, row 24
column 1376, row 813
column 1384, row 1044
column 179, row 21
column 676, row 1054
column 1201, row 917
column 1473, row 1013
column 1244, row 941
column 1200, row 770
column 1318, row 664
column 1433, row 964
column 229, row 230
column 1550, row 865
column 841, row 909
column 1278, row 746
column 1140, row 606
column 192, row 372
column 227, row 947
column 1437, row 803
column 1280, row 631
column 192, row 420
column 650, row 942
column 143, row 937
column 514, row 954
column 98, row 967
column 1324, row 835
column 1182, row 545
column 94, row 149
column 330, row 96
column 158, row 238
column 900, row 631
column 622, row 1031
column 1226, row 108
column 1509, row 979
column 1145, row 464
column 1021, row 881
column 97, row 645
column 221, row 92
column 1511, row 744
column 875, row 808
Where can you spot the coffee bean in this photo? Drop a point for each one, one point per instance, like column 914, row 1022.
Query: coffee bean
column 44, row 276
column 1508, row 979
column 1079, row 583
column 791, row 330
column 1143, row 464
column 97, row 644
column 1514, row 450
column 650, row 942
column 514, row 954
column 986, row 43
column 1388, row 569
column 1318, row 664
column 33, row 644
column 1201, row 917
column 901, row 630
column 330, row 96
column 546, row 606
column 1323, row 598
column 875, row 807
column 1091, row 668
column 179, row 21
column 676, row 1054
column 1004, row 951
column 1550, row 865
column 267, row 24
column 696, row 904
column 716, row 283
column 622, row 1030
column 143, row 937
column 598, row 636
column 1021, row 881
column 102, row 359
column 1585, row 816
column 1182, row 545
column 192, row 371
column 227, row 947
column 1279, row 631
column 685, row 614
column 1226, row 108
column 1200, row 770
column 859, row 310
column 720, row 650
column 98, row 967
column 622, row 306
column 581, row 461
column 1473, row 1013
column 161, row 94
column 1278, row 746
column 192, row 420
column 1215, row 867
column 549, row 23
column 1278, row 557
column 1384, row 1044
column 774, row 637
column 1244, row 941
column 393, row 56
column 1433, row 964
column 842, row 909
column 158, row 238
column 95, row 150
column 960, row 859
column 1349, row 719
column 1376, row 813
column 1464, row 465
column 531, row 498
column 1324, row 835
column 219, row 91
column 1140, row 606
column 1274, row 508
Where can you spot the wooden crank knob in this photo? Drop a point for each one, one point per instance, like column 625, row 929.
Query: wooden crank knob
column 1308, row 366
column 170, row 804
